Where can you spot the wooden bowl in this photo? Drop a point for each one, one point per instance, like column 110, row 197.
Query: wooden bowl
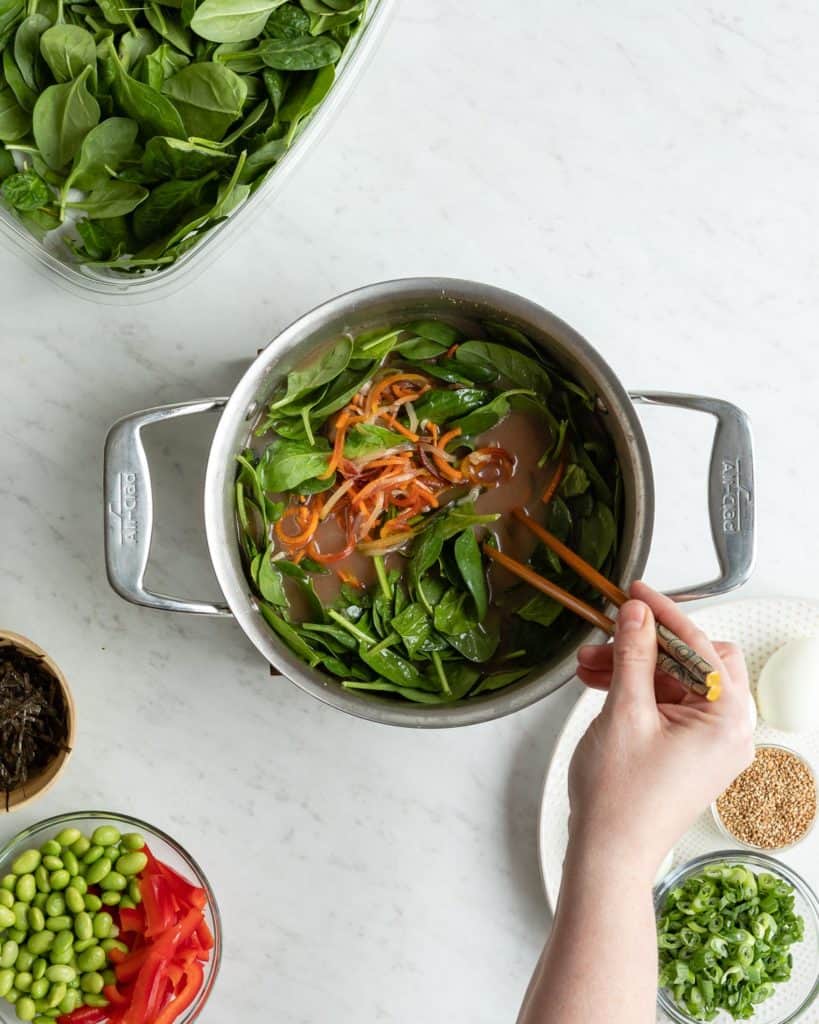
column 38, row 784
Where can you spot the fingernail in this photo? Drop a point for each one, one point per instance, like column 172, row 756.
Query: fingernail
column 632, row 616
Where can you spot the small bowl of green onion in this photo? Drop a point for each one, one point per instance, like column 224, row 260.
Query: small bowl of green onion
column 738, row 939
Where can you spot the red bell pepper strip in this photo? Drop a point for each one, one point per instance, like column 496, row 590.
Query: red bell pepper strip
column 174, row 938
column 148, row 991
column 132, row 919
column 85, row 1015
column 204, row 935
column 131, row 964
column 114, row 996
column 193, row 982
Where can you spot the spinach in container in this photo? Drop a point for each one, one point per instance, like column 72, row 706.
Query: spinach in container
column 375, row 474
column 132, row 130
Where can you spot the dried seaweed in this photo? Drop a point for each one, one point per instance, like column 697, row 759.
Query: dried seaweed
column 33, row 718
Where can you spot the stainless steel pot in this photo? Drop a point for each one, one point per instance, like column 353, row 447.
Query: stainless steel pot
column 128, row 503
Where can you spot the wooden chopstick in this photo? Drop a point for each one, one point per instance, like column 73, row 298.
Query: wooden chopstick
column 676, row 649
column 675, row 659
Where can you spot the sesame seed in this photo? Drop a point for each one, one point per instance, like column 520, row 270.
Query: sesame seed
column 772, row 803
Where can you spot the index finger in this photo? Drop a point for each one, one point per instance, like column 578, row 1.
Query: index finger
column 734, row 689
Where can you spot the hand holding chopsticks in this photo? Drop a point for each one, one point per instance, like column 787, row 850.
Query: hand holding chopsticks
column 676, row 658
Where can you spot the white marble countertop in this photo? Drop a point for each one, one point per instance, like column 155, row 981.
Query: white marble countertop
column 647, row 172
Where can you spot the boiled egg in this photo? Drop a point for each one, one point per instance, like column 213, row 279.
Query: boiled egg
column 788, row 690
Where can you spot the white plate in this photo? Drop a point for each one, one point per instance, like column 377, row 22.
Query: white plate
column 759, row 626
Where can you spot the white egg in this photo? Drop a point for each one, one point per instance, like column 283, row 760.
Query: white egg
column 788, row 690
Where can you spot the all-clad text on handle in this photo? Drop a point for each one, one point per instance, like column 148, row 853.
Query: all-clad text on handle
column 129, row 508
column 731, row 497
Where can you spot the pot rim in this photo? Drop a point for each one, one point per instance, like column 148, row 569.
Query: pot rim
column 242, row 409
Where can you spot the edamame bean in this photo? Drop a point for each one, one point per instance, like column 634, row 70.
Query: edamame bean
column 80, row 884
column 70, row 863
column 16, row 934
column 92, row 854
column 92, row 982
column 60, row 972
column 25, row 1008
column 98, row 870
column 12, row 995
column 70, row 1001
column 132, row 841
column 21, row 917
column 41, row 878
column 7, row 918
column 42, row 1019
column 105, row 835
column 92, row 903
column 114, row 881
column 52, row 863
column 8, row 953
column 126, row 902
column 38, row 968
column 69, row 836
column 24, row 961
column 57, row 993
column 73, row 901
column 6, row 981
column 26, row 863
column 111, row 898
column 102, row 925
column 59, row 879
column 55, row 905
column 108, row 944
column 6, row 898
column 58, row 924
column 26, row 888
column 132, row 863
column 52, row 847
column 23, row 981
column 93, row 959
column 39, row 900
column 81, row 846
column 40, row 942
column 82, row 944
column 8, row 883
column 36, row 919
column 40, row 987
column 83, row 925
column 94, row 1000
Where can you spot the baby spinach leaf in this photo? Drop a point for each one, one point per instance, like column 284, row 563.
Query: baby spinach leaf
column 443, row 334
column 102, row 240
column 306, row 586
column 419, row 348
column 232, row 21
column 208, row 96
column 470, row 563
column 460, row 679
column 487, row 416
column 269, row 581
column 286, row 464
column 25, row 96
column 264, row 156
column 438, row 406
column 575, row 481
column 161, row 64
column 166, row 205
column 476, row 644
column 596, row 535
column 299, row 53
column 414, row 626
column 243, row 58
column 112, row 198
column 393, row 667
column 169, row 28
column 135, row 46
column 452, row 614
column 63, row 116
column 540, row 609
column 329, row 365
column 366, row 438
column 304, row 97
column 68, row 49
column 426, row 551
column 27, row 48
column 518, row 369
column 498, row 680
column 10, row 13
column 26, row 191
column 288, row 22
column 7, row 164
column 103, row 150
column 289, row 635
column 174, row 158
column 39, row 222
column 341, row 390
column 153, row 112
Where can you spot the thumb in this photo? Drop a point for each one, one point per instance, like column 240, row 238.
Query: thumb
column 635, row 655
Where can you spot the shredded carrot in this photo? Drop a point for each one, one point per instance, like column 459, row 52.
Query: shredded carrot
column 349, row 578
column 450, row 435
column 554, row 482
column 307, row 517
column 338, row 445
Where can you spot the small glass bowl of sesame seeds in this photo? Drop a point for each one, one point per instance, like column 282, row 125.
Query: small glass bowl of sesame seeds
column 771, row 806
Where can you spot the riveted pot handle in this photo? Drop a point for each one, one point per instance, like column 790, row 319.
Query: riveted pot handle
column 129, row 511
column 731, row 496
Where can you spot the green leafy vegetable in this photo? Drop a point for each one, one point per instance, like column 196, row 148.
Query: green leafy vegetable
column 67, row 50
column 26, row 191
column 232, row 21
column 209, row 98
column 63, row 116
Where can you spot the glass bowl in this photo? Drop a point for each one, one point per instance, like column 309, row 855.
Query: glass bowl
column 162, row 846
column 791, row 999
column 723, row 828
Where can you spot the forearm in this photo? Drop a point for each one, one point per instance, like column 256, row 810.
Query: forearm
column 601, row 959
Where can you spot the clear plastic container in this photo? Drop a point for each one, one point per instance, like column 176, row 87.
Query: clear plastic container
column 108, row 286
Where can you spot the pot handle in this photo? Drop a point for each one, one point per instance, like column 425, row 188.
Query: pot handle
column 129, row 510
column 731, row 496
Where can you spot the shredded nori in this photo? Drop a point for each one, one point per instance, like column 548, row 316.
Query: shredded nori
column 33, row 718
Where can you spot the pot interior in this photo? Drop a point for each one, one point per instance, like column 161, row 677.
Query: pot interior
column 462, row 303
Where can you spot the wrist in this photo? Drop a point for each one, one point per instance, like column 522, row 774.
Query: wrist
column 611, row 857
